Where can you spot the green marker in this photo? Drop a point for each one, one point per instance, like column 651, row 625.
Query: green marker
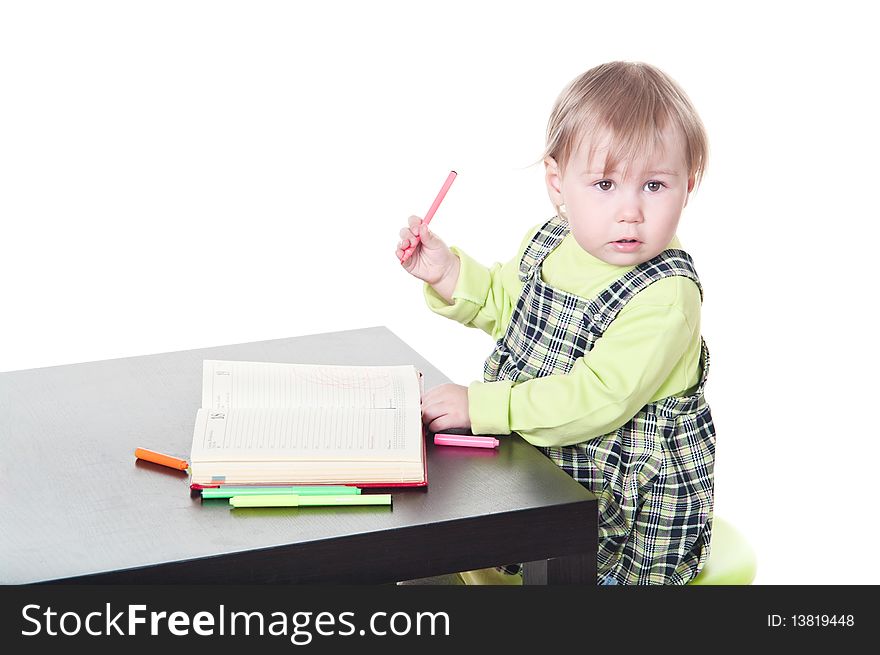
column 292, row 500
column 325, row 490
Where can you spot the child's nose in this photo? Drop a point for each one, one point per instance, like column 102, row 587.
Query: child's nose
column 630, row 213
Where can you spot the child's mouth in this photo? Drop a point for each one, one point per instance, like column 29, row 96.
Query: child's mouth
column 626, row 245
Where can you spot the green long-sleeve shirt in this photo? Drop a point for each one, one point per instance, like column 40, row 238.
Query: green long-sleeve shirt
column 650, row 351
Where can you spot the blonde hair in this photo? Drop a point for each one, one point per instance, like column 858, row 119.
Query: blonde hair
column 633, row 101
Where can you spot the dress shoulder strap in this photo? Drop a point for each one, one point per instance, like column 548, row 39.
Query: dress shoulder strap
column 605, row 307
column 545, row 240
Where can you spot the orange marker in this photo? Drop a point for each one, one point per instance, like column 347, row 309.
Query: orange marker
column 159, row 458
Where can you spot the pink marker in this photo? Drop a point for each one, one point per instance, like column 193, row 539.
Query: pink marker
column 448, row 183
column 465, row 440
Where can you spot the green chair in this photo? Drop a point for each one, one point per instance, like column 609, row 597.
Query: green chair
column 731, row 562
column 731, row 559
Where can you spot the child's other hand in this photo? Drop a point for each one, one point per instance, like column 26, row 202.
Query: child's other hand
column 446, row 407
column 431, row 260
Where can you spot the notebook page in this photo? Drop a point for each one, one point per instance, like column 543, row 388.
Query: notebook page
column 309, row 433
column 234, row 384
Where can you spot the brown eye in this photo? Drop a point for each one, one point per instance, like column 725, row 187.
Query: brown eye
column 604, row 185
column 654, row 186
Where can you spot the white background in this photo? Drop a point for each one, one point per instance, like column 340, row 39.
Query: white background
column 178, row 175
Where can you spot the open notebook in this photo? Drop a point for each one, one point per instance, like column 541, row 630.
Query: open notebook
column 272, row 423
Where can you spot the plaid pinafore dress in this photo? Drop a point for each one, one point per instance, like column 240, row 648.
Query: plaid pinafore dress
column 653, row 476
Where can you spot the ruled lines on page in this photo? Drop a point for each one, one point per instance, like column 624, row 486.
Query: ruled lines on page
column 302, row 430
column 232, row 385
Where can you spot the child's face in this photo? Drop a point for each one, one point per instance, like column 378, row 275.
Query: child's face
column 606, row 211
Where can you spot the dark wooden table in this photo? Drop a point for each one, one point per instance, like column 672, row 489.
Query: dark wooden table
column 75, row 505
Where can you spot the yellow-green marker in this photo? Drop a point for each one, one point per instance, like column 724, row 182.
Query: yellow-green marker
column 320, row 490
column 293, row 500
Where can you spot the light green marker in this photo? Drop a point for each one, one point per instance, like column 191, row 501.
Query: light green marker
column 292, row 500
column 325, row 490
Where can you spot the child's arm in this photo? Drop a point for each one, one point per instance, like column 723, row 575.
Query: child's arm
column 650, row 351
column 481, row 297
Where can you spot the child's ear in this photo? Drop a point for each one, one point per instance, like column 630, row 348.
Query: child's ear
column 553, row 178
column 691, row 181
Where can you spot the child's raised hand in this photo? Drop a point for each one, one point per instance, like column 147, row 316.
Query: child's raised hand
column 431, row 259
